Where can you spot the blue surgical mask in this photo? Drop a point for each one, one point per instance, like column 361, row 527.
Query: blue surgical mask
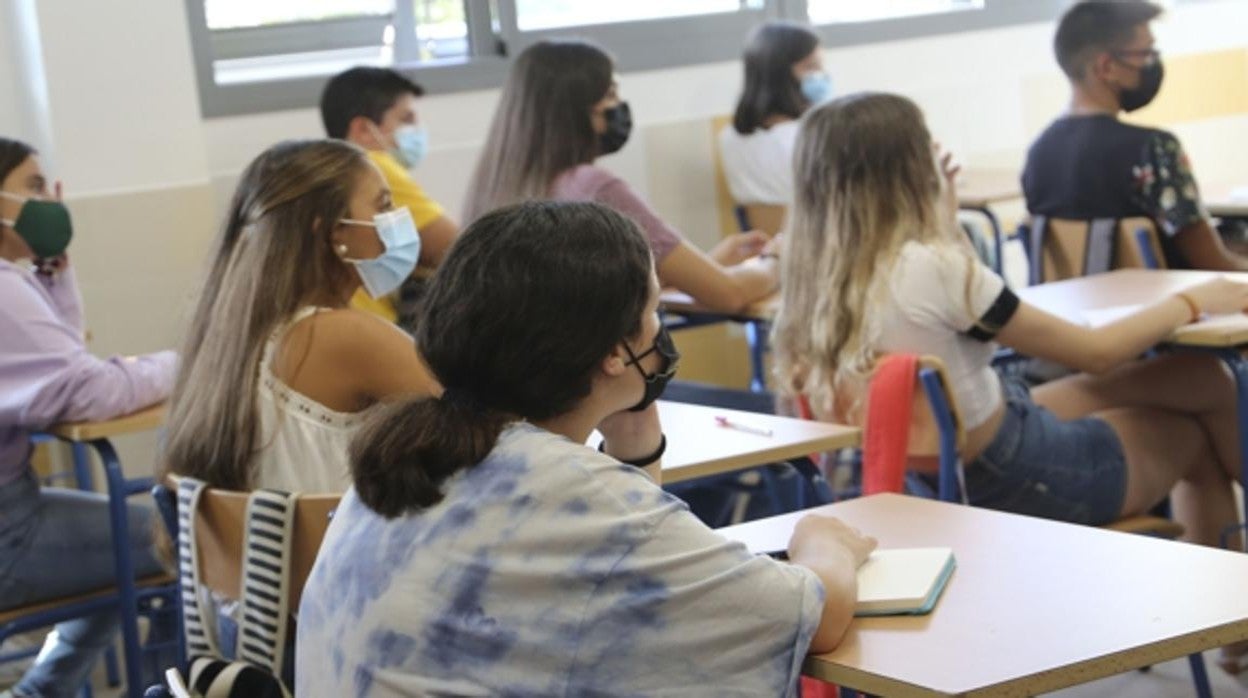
column 411, row 142
column 817, row 87
column 383, row 274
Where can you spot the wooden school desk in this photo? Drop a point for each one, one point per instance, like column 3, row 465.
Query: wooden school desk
column 697, row 446
column 1033, row 606
column 979, row 189
column 1225, row 337
column 1227, row 200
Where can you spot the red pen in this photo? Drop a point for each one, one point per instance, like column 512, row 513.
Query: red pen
column 729, row 424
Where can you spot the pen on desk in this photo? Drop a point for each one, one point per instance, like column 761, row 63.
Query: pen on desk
column 729, row 424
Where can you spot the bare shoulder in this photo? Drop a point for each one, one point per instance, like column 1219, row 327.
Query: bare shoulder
column 349, row 333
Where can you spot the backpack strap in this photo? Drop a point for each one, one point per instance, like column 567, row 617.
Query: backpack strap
column 198, row 641
column 1099, row 257
column 266, row 579
column 890, row 404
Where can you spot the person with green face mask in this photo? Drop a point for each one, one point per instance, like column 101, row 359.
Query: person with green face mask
column 48, row 376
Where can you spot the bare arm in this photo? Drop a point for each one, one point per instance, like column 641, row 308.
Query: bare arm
column 834, row 552
column 631, row 435
column 1203, row 248
column 1036, row 333
column 726, row 289
column 436, row 238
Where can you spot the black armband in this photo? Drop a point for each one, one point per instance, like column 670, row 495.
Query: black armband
column 1002, row 309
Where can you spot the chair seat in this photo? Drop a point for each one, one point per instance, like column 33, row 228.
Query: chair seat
column 1148, row 525
column 13, row 614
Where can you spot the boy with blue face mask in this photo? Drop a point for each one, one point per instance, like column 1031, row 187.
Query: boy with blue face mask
column 375, row 108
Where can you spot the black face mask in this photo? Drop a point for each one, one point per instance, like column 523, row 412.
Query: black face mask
column 1141, row 95
column 655, row 382
column 619, row 126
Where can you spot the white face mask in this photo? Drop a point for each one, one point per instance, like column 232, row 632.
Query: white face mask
column 387, row 271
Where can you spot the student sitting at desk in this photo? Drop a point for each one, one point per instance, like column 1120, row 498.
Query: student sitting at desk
column 1088, row 164
column 876, row 264
column 375, row 108
column 277, row 370
column 485, row 550
column 559, row 112
column 54, row 542
column 784, row 76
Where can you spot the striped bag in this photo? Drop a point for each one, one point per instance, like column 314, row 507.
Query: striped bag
column 265, row 613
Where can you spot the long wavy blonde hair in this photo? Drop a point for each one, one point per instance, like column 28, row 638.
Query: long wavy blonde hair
column 273, row 257
column 866, row 182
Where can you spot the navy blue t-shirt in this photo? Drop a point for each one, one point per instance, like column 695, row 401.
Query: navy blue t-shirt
column 1085, row 167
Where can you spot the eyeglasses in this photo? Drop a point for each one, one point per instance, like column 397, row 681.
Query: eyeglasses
column 1150, row 55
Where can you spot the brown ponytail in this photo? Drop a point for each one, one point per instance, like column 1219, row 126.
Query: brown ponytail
column 521, row 313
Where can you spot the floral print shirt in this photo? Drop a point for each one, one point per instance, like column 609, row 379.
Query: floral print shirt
column 1165, row 186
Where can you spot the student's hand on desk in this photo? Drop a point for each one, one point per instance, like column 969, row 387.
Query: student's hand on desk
column 632, row 435
column 1219, row 296
column 814, row 531
column 735, row 249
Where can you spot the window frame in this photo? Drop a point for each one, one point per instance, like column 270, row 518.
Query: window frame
column 494, row 36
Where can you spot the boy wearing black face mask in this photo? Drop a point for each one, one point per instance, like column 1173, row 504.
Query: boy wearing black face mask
column 1087, row 164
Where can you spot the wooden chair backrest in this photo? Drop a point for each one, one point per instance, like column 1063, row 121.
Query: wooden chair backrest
column 768, row 218
column 220, row 526
column 724, row 204
column 1066, row 245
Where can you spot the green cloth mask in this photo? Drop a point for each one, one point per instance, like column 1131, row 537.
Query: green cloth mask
column 44, row 225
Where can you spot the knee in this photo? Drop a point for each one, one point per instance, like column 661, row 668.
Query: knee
column 1207, row 374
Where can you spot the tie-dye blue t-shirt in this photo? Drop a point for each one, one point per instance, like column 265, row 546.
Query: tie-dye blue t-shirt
column 548, row 569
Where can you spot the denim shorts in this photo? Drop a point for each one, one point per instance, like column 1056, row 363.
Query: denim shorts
column 1039, row 465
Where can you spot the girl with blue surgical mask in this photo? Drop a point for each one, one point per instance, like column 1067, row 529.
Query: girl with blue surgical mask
column 277, row 367
column 784, row 77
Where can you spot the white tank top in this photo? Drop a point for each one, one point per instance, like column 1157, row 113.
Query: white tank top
column 303, row 444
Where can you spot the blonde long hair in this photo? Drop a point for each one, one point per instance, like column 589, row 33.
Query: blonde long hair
column 866, row 183
column 273, row 257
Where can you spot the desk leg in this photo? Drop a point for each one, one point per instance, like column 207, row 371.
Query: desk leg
column 118, row 490
column 1200, row 677
column 756, row 335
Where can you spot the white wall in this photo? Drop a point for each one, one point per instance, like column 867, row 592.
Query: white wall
column 977, row 89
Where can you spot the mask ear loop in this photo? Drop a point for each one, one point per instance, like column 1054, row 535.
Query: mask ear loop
column 10, row 222
column 635, row 360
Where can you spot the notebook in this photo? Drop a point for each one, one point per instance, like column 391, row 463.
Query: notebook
column 903, row 581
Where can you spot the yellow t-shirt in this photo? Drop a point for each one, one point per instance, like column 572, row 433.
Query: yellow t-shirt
column 405, row 192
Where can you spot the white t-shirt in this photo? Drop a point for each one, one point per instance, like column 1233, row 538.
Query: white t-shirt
column 928, row 311
column 548, row 569
column 759, row 167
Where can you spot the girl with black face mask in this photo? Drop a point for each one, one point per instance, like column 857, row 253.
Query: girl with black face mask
column 561, row 110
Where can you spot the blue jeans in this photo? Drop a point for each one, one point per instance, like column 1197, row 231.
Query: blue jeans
column 56, row 543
